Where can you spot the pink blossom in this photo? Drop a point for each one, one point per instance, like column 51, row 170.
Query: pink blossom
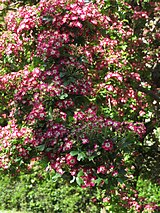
column 107, row 145
column 71, row 160
column 85, row 140
column 101, row 169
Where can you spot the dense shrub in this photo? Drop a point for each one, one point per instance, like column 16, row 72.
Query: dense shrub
column 40, row 193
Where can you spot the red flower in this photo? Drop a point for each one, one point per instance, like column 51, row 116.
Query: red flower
column 107, row 145
column 70, row 160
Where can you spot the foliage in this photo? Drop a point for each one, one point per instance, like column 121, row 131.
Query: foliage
column 38, row 192
column 79, row 90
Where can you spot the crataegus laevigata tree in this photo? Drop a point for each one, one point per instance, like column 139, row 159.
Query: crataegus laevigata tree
column 79, row 88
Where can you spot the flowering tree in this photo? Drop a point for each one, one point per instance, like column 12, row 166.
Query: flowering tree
column 79, row 89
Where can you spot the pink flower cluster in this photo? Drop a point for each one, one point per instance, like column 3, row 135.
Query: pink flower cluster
column 65, row 104
column 137, row 203
column 140, row 14
column 38, row 112
column 49, row 43
column 23, row 19
column 13, row 139
column 114, row 75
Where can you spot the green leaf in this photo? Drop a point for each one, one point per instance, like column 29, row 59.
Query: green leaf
column 80, row 173
column 66, row 83
column 14, row 147
column 120, row 180
column 36, row 61
column 71, row 79
column 91, row 158
column 49, row 149
column 50, row 116
column 106, row 181
column 41, row 147
column 18, row 159
column 63, row 96
column 31, row 67
column 56, row 176
column 70, row 119
column 79, row 181
column 81, row 156
column 124, row 47
column 73, row 153
column 62, row 74
column 98, row 181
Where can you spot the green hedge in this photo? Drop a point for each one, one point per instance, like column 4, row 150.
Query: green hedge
column 149, row 190
column 38, row 193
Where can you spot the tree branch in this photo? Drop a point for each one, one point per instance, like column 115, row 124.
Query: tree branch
column 147, row 92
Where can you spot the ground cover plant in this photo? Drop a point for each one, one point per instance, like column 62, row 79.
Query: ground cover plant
column 79, row 86
column 38, row 192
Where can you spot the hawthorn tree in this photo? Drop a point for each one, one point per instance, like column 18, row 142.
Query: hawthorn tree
column 79, row 84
